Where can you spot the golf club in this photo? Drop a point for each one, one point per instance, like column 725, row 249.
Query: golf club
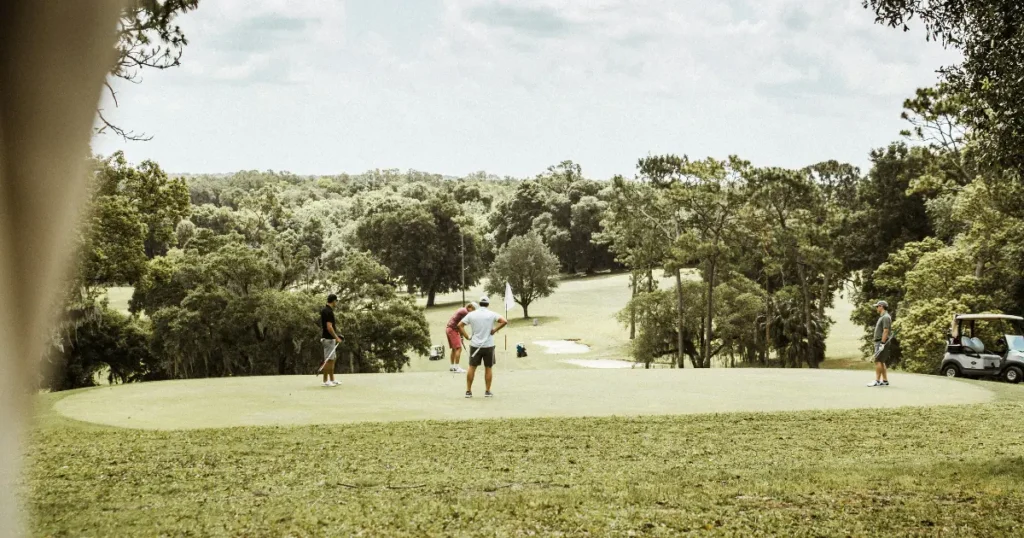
column 329, row 357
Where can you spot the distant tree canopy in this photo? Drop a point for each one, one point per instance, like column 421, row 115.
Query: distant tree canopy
column 430, row 244
column 565, row 210
column 528, row 266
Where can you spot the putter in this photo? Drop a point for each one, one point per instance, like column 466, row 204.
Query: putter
column 329, row 355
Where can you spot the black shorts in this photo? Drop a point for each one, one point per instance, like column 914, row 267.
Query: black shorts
column 481, row 354
column 881, row 353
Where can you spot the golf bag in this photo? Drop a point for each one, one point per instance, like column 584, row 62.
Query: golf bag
column 520, row 350
column 436, row 353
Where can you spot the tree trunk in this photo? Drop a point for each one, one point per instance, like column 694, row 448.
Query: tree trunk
column 824, row 295
column 431, row 293
column 805, row 293
column 709, row 313
column 526, row 310
column 766, row 349
column 680, row 322
column 632, row 310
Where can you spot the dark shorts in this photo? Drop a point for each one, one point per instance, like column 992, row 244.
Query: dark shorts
column 481, row 354
column 881, row 354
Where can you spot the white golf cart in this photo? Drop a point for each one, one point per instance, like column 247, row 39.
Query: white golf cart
column 967, row 356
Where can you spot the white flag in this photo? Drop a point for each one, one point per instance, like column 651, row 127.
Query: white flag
column 509, row 301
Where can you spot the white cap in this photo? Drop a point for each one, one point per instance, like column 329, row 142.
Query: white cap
column 484, row 301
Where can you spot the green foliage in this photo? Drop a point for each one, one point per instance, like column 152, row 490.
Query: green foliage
column 113, row 247
column 528, row 265
column 565, row 210
column 941, row 284
column 379, row 326
column 423, row 243
column 656, row 317
column 160, row 202
column 101, row 341
column 707, row 195
column 987, row 83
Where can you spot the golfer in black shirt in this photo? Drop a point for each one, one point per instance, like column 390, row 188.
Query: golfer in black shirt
column 330, row 340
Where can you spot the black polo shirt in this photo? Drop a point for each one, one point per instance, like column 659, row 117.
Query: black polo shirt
column 327, row 316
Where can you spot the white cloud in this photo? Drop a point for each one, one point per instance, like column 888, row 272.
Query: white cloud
column 513, row 86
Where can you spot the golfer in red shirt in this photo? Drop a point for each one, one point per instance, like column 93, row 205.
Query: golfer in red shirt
column 454, row 338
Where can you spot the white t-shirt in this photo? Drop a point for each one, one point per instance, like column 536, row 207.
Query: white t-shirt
column 480, row 322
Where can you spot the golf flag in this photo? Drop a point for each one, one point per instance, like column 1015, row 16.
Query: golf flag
column 509, row 301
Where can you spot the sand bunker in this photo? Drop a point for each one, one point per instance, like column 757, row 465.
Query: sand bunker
column 598, row 363
column 562, row 347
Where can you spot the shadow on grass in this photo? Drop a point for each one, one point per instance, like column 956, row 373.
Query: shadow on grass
column 453, row 305
column 847, row 364
column 516, row 323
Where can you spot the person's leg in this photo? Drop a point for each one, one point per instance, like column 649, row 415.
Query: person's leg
column 455, row 344
column 329, row 350
column 878, row 363
column 884, row 372
column 469, row 378
column 329, row 370
column 487, row 377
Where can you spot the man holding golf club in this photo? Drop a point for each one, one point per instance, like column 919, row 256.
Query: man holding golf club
column 451, row 331
column 481, row 343
column 883, row 333
column 330, row 340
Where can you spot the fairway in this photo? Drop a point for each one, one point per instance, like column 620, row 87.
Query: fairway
column 290, row 400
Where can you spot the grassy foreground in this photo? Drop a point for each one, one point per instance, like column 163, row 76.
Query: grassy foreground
column 950, row 471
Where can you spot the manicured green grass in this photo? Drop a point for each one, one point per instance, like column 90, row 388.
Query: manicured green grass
column 295, row 400
column 949, row 471
column 585, row 309
column 581, row 308
column 120, row 297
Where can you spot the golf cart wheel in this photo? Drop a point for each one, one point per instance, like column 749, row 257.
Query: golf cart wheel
column 1013, row 374
column 951, row 370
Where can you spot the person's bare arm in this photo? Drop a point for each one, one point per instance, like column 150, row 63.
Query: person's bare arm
column 885, row 335
column 462, row 331
column 501, row 325
column 330, row 329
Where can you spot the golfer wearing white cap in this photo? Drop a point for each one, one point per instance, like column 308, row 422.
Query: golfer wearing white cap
column 883, row 332
column 481, row 343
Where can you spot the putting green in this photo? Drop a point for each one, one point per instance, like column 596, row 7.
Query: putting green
column 288, row 400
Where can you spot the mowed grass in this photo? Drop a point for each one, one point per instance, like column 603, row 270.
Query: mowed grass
column 585, row 309
column 948, row 471
column 119, row 298
column 581, row 309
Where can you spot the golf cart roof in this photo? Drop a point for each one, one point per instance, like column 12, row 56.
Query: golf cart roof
column 968, row 317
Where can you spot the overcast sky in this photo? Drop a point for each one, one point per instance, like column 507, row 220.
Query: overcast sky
column 513, row 86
